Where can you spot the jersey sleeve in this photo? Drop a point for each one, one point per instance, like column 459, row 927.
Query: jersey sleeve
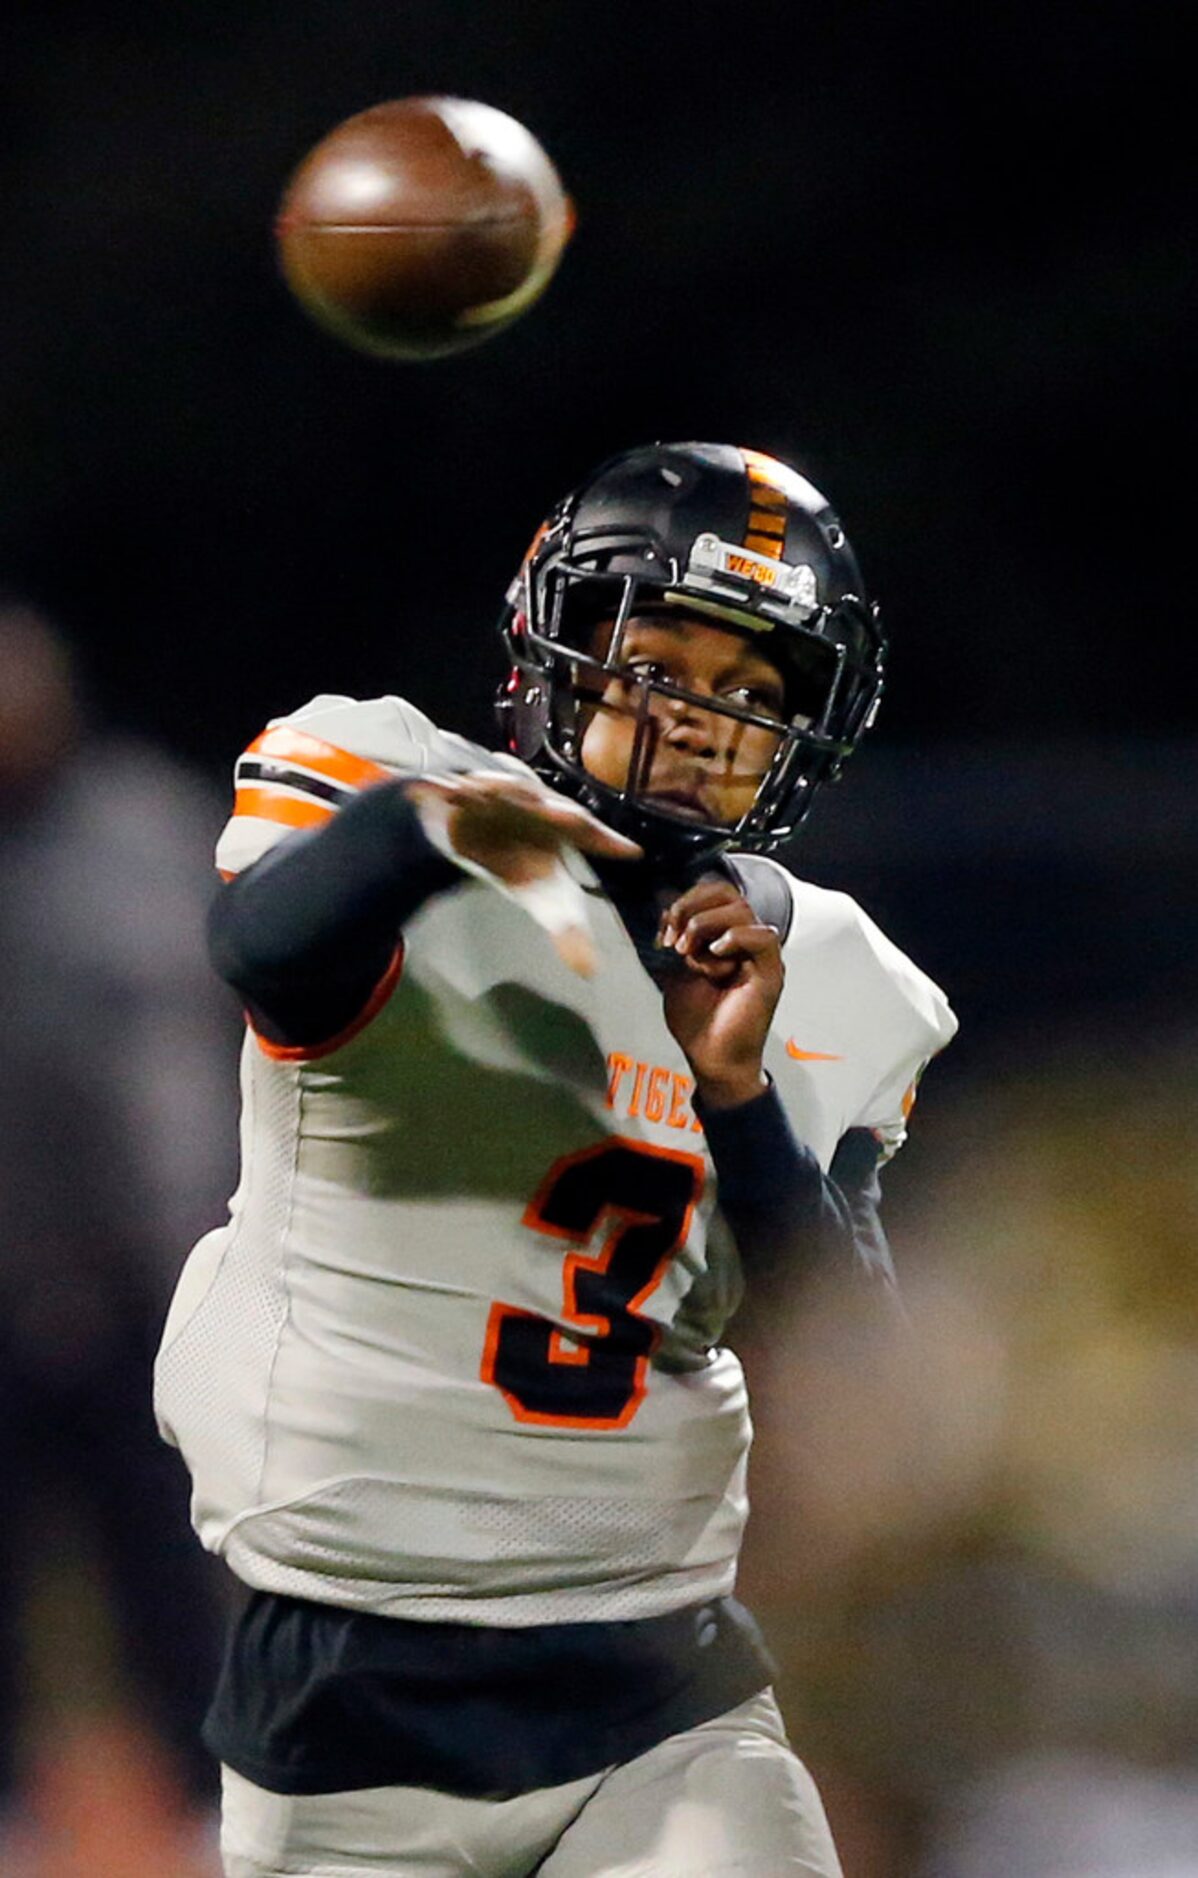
column 306, row 766
column 924, row 1024
column 788, row 1217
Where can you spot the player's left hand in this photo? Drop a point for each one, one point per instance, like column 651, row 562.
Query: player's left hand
column 719, row 1009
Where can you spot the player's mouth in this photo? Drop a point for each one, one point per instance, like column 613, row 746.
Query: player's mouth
column 679, row 801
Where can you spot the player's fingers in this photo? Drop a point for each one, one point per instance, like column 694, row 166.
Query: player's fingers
column 717, row 971
column 735, row 946
column 487, row 827
column 521, row 806
column 484, row 787
column 501, row 797
column 737, row 949
column 703, row 927
column 703, row 894
column 698, row 899
column 748, row 942
column 587, row 833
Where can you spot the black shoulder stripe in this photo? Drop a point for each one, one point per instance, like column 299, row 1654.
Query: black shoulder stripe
column 257, row 769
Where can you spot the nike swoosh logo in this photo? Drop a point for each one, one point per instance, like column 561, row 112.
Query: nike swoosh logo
column 810, row 1056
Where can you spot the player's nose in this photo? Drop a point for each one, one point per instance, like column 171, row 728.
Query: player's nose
column 689, row 727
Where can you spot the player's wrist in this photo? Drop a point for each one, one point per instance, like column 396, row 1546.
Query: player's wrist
column 731, row 1091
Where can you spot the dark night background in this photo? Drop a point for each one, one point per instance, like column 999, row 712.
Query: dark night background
column 937, row 257
column 933, row 255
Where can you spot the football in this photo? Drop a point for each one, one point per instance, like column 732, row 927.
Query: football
column 422, row 226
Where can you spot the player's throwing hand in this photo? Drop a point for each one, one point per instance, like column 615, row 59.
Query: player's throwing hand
column 514, row 831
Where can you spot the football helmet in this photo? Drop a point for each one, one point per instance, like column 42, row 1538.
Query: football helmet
column 738, row 540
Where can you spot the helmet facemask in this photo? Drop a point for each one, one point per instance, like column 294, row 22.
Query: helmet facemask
column 564, row 670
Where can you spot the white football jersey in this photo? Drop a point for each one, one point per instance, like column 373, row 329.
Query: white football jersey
column 457, row 1353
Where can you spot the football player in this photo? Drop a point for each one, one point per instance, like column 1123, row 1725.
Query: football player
column 546, row 1062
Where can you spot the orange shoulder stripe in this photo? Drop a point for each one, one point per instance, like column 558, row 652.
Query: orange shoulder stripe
column 274, row 805
column 288, row 745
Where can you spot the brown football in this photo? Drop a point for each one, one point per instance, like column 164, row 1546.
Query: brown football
column 422, row 226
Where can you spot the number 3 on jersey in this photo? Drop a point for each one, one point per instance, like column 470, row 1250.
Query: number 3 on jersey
column 593, row 1375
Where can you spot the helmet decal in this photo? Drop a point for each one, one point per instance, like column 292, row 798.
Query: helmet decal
column 767, row 492
column 793, row 587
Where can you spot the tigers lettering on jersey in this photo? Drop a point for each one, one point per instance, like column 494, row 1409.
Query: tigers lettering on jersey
column 650, row 1090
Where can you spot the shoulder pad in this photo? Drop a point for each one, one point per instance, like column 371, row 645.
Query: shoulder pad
column 766, row 887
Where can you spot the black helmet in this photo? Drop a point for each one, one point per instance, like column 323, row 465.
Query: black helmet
column 724, row 533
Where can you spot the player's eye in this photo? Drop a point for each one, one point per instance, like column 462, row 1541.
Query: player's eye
column 640, row 671
column 764, row 699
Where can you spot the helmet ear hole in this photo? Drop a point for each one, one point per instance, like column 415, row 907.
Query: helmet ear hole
column 522, row 710
column 530, row 718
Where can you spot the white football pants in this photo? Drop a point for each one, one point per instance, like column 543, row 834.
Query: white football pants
column 728, row 1799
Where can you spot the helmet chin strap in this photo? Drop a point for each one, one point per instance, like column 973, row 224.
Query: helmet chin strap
column 678, row 846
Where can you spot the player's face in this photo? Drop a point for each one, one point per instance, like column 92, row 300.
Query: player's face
column 695, row 762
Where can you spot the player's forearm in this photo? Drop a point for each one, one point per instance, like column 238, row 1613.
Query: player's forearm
column 306, row 933
column 788, row 1217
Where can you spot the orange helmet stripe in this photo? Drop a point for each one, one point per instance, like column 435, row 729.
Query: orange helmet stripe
column 767, row 504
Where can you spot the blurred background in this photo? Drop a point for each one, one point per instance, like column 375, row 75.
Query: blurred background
column 937, row 257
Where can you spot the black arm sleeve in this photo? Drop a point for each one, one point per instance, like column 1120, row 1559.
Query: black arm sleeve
column 307, row 932
column 788, row 1217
